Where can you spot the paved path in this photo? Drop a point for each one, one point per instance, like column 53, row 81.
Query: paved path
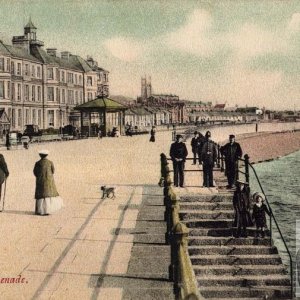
column 76, row 253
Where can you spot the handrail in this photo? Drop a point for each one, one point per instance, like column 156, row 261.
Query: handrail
column 181, row 266
column 278, row 228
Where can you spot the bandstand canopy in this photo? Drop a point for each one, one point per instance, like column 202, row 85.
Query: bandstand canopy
column 101, row 104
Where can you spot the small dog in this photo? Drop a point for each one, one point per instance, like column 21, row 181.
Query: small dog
column 108, row 192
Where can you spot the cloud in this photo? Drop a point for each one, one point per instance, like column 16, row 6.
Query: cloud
column 294, row 24
column 125, row 49
column 251, row 41
column 193, row 37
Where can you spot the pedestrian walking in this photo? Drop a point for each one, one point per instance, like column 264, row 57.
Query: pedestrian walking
column 7, row 141
column 99, row 134
column 178, row 153
column 232, row 151
column 259, row 214
column 152, row 134
column 194, row 144
column 208, row 157
column 47, row 198
column 241, row 204
column 3, row 177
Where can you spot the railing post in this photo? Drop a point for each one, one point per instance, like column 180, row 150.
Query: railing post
column 247, row 177
column 181, row 233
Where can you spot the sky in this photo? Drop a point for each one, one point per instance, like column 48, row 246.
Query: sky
column 234, row 52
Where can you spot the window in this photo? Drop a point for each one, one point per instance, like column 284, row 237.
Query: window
column 75, row 77
column 33, row 117
column 50, row 94
column 57, row 95
column 26, row 93
column 38, row 72
column 39, row 93
column 26, row 69
column 57, row 74
column 33, row 93
column 19, row 92
column 70, row 97
column 27, row 116
column 39, row 118
column 19, row 117
column 89, row 81
column 1, row 64
column 76, row 97
column 90, row 96
column 81, row 96
column 12, row 91
column 70, row 78
column 1, row 89
column 80, row 79
column 50, row 73
column 12, row 67
column 50, row 117
column 19, row 69
column 62, row 76
column 7, row 65
column 63, row 96
column 32, row 71
column 8, row 90
column 13, row 118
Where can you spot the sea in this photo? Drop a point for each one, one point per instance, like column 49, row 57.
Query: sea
column 280, row 180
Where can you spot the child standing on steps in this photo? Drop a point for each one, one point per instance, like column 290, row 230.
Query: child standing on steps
column 259, row 214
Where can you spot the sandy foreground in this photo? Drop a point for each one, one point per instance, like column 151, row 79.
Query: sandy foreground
column 57, row 255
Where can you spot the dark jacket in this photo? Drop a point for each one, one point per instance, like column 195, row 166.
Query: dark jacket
column 3, row 169
column 259, row 215
column 194, row 144
column 241, row 204
column 45, row 185
column 208, row 153
column 178, row 150
column 231, row 152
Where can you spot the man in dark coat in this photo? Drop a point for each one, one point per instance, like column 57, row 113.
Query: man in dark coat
column 178, row 153
column 208, row 157
column 201, row 140
column 241, row 204
column 152, row 134
column 3, row 172
column 194, row 144
column 232, row 151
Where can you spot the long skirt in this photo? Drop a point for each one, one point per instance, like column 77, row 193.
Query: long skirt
column 49, row 205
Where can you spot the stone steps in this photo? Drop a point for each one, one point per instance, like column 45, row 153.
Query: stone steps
column 222, row 232
column 225, row 266
column 205, row 214
column 243, row 280
column 232, row 250
column 271, row 259
column 273, row 292
column 210, row 206
column 240, row 270
column 207, row 240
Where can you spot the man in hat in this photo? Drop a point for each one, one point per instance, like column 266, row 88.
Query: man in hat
column 178, row 153
column 232, row 151
column 241, row 204
column 194, row 144
column 208, row 157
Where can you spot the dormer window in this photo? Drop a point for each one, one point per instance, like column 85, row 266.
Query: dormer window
column 50, row 73
column 89, row 81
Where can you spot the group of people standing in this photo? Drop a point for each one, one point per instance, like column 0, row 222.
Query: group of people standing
column 47, row 199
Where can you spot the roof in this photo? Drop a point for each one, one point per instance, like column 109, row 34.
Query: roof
column 220, row 106
column 17, row 52
column 30, row 25
column 101, row 103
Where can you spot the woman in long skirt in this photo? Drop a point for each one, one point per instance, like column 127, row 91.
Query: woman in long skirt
column 47, row 198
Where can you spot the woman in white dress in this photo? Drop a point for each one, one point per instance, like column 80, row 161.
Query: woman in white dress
column 47, row 198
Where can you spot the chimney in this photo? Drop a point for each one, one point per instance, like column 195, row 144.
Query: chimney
column 51, row 51
column 91, row 61
column 65, row 55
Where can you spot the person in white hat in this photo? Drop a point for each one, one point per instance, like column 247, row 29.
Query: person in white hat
column 47, row 198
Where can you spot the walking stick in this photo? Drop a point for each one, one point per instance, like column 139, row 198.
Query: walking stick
column 3, row 196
